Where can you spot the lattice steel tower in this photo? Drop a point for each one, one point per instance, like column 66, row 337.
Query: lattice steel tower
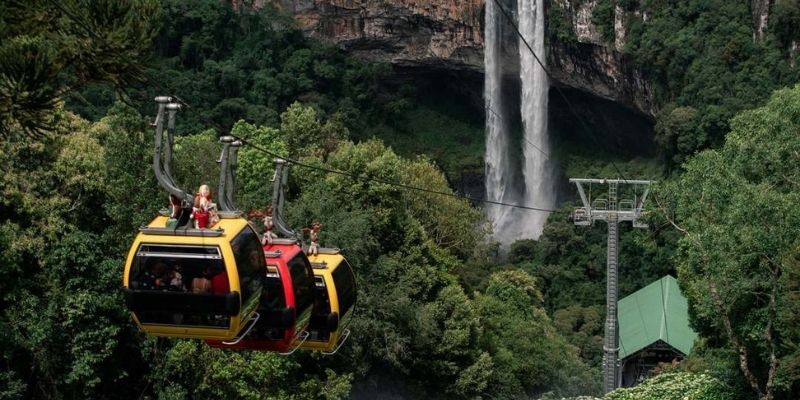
column 613, row 211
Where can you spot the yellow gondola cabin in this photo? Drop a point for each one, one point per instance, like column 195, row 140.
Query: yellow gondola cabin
column 335, row 301
column 194, row 283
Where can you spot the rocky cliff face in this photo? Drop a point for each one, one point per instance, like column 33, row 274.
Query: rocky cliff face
column 598, row 66
column 449, row 34
column 445, row 33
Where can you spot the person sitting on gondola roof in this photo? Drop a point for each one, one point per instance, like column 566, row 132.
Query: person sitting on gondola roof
column 313, row 235
column 202, row 207
column 174, row 207
column 269, row 225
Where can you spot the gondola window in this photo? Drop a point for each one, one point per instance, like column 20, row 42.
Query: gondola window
column 170, row 285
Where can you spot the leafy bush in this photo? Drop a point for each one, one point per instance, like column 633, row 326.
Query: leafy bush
column 603, row 18
column 675, row 386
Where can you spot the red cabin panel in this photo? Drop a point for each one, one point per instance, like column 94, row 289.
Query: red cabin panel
column 286, row 302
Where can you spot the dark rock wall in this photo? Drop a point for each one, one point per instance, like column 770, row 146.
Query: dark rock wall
column 601, row 71
column 448, row 34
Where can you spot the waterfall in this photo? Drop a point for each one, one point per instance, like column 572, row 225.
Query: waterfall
column 537, row 167
column 502, row 174
column 498, row 157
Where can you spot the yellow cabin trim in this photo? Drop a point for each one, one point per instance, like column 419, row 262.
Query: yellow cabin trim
column 332, row 262
column 231, row 227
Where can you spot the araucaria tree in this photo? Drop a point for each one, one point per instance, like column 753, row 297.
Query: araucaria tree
column 738, row 257
column 49, row 48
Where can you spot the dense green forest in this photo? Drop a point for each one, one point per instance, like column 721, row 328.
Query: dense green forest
column 440, row 314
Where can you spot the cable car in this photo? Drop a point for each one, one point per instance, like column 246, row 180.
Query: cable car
column 194, row 281
column 286, row 304
column 301, row 307
column 336, row 300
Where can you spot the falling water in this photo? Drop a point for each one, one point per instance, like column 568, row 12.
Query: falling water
column 499, row 187
column 537, row 166
column 538, row 190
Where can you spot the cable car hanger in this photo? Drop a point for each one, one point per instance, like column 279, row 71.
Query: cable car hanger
column 227, row 176
column 162, row 162
column 279, row 181
column 221, row 260
column 180, row 198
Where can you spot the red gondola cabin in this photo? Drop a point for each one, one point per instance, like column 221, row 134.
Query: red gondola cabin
column 287, row 301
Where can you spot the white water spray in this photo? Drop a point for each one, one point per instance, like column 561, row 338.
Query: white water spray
column 498, row 160
column 539, row 190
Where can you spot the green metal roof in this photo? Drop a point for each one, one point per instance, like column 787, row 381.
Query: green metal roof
column 655, row 312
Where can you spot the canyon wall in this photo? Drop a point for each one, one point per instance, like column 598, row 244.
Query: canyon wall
column 448, row 34
column 590, row 63
column 445, row 33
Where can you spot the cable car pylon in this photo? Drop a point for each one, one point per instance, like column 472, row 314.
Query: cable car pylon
column 613, row 211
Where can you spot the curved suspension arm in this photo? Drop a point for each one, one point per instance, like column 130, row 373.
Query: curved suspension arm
column 171, row 111
column 227, row 172
column 162, row 169
column 279, row 182
column 232, row 164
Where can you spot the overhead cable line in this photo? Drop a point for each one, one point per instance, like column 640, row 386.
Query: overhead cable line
column 383, row 181
column 523, row 136
column 247, row 142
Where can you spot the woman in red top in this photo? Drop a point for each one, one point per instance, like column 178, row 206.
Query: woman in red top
column 219, row 283
column 202, row 204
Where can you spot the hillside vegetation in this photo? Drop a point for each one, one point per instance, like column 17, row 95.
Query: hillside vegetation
column 440, row 314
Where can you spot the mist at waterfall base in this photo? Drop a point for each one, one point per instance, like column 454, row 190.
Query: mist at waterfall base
column 519, row 169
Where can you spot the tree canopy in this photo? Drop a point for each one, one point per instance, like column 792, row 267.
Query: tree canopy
column 440, row 313
column 49, row 48
column 737, row 255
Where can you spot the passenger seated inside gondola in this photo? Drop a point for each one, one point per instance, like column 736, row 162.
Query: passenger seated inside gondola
column 176, row 278
column 219, row 283
column 318, row 325
column 202, row 283
column 164, row 273
column 146, row 279
column 161, row 274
